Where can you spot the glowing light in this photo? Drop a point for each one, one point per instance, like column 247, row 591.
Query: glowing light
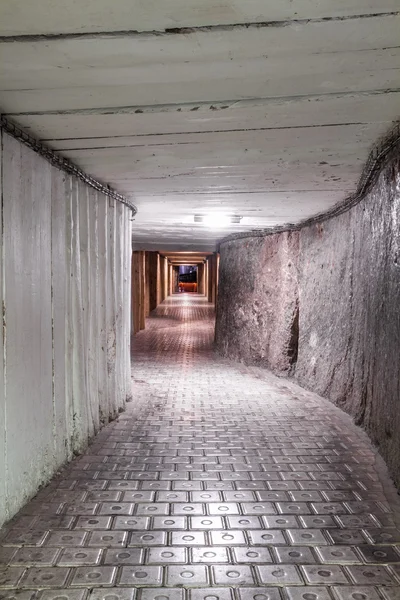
column 217, row 220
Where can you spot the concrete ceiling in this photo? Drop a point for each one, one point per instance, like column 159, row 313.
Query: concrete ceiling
column 256, row 108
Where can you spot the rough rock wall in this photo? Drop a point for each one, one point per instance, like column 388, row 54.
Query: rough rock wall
column 343, row 275
column 65, row 293
column 257, row 313
column 349, row 291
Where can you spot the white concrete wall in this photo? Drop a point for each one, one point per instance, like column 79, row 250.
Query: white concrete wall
column 65, row 293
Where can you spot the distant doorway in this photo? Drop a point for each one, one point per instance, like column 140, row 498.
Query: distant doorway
column 187, row 279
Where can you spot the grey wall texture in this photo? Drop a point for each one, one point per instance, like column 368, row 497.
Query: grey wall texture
column 343, row 278
column 258, row 300
column 65, row 256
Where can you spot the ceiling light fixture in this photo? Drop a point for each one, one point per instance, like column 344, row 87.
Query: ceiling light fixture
column 217, row 220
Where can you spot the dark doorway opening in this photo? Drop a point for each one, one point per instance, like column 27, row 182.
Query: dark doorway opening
column 187, row 279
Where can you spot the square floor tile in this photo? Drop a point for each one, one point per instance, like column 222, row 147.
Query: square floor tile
column 271, row 537
column 371, row 575
column 243, row 522
column 279, row 575
column 187, row 575
column 93, row 576
column 210, row 555
column 324, row 574
column 108, row 539
column 73, row 557
column 227, row 538
column 233, row 575
column 45, row 557
column 205, row 523
column 131, row 523
column 166, row 555
column 124, row 556
column 251, row 554
column 141, row 576
column 45, row 577
column 168, row 523
column 188, row 538
column 299, row 555
column 380, row 554
column 308, row 593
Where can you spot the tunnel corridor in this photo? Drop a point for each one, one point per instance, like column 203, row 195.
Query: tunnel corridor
column 200, row 291
column 222, row 482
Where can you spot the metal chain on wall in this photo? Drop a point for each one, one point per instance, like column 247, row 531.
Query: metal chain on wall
column 62, row 163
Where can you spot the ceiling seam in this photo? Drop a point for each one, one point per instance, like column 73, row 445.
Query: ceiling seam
column 197, row 132
column 198, row 106
column 187, row 30
column 188, row 133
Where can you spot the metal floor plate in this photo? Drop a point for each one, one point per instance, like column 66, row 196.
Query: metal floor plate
column 219, row 482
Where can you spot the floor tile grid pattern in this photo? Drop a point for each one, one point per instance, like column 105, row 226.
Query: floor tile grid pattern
column 229, row 484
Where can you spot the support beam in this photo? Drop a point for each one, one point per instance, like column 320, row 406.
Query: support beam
column 211, row 277
column 154, row 280
column 138, row 292
column 163, row 278
column 146, row 284
column 170, row 279
column 201, row 278
column 175, row 285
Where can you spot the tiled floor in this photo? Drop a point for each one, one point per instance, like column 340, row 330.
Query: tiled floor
column 220, row 482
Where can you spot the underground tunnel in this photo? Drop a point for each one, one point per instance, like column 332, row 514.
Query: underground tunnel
column 200, row 286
